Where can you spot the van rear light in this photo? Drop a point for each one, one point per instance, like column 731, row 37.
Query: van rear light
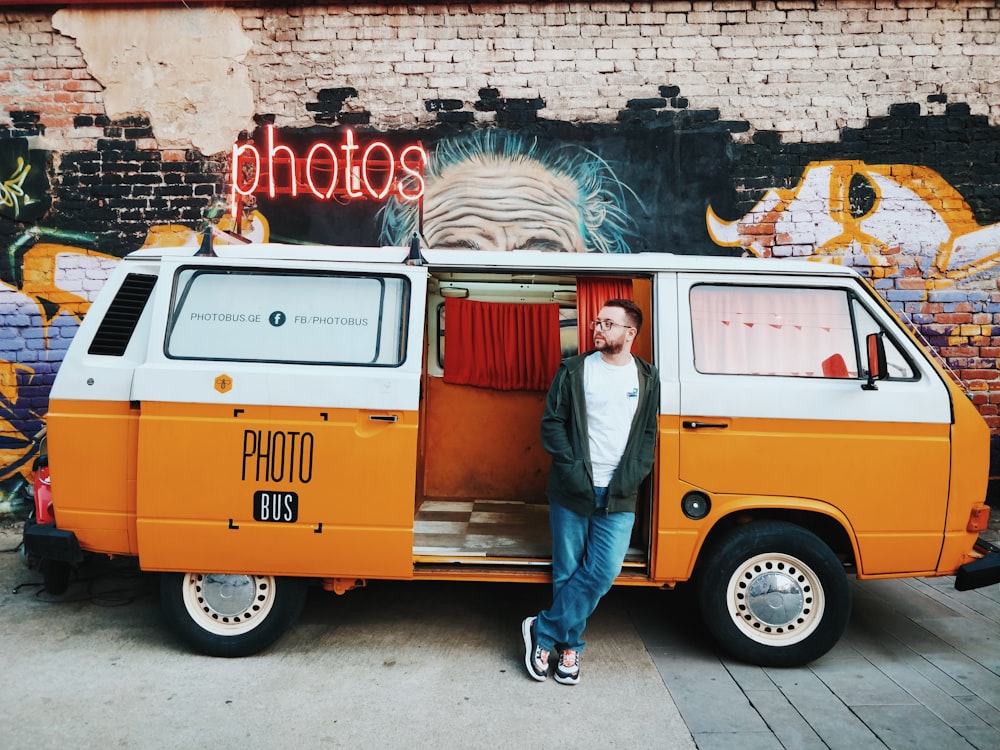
column 44, row 512
column 979, row 519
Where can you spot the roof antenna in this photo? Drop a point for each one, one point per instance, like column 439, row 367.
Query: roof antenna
column 415, row 258
column 206, row 249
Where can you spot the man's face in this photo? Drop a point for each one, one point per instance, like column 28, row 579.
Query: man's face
column 502, row 205
column 620, row 336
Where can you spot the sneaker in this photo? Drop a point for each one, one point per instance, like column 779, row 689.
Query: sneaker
column 568, row 667
column 535, row 659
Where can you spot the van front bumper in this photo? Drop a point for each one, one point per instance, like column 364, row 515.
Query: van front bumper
column 46, row 542
column 982, row 572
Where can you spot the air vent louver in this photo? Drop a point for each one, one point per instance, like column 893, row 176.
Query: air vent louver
column 119, row 323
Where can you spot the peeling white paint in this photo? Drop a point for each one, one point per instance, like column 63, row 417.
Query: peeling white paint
column 181, row 67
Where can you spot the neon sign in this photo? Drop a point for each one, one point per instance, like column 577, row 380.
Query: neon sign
column 343, row 171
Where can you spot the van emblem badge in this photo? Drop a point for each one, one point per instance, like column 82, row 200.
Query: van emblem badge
column 223, row 384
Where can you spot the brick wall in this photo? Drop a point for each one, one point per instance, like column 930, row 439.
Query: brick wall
column 803, row 69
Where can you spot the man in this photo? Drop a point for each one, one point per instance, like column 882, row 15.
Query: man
column 600, row 427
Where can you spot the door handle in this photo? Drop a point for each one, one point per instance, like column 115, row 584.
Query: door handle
column 383, row 418
column 689, row 424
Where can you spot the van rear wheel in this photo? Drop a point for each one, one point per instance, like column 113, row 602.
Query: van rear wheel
column 230, row 615
column 774, row 594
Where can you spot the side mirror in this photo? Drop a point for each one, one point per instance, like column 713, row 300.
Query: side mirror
column 877, row 369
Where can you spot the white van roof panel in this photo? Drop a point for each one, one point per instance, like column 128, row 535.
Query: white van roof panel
column 533, row 260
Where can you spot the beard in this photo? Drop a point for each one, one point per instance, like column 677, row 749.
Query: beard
column 607, row 347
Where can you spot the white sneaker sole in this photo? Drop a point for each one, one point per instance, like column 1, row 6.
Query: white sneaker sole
column 529, row 649
column 567, row 680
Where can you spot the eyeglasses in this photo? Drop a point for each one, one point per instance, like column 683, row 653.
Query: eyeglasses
column 606, row 325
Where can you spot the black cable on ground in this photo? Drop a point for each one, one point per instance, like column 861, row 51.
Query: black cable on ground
column 93, row 576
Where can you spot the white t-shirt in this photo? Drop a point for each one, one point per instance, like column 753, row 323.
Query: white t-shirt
column 612, row 394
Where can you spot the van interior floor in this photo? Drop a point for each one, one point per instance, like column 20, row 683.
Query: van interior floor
column 488, row 531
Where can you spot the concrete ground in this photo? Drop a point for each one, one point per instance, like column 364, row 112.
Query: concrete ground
column 393, row 665
column 439, row 665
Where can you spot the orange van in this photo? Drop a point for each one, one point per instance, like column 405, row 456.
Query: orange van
column 258, row 418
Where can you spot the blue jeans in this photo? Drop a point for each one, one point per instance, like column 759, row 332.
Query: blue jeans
column 587, row 556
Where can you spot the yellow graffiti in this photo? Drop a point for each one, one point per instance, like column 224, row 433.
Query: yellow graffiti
column 41, row 284
column 253, row 228
column 8, row 379
column 12, row 193
column 12, row 453
column 912, row 223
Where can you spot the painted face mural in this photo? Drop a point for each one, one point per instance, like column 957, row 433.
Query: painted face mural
column 882, row 218
column 498, row 190
column 503, row 206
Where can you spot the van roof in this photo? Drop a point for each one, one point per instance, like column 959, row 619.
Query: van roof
column 520, row 260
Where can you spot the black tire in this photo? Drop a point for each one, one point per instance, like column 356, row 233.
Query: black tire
column 773, row 594
column 230, row 615
column 55, row 576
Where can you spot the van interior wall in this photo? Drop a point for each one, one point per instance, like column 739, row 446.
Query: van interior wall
column 642, row 295
column 483, row 444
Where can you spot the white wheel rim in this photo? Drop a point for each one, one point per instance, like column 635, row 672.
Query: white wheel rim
column 775, row 599
column 228, row 604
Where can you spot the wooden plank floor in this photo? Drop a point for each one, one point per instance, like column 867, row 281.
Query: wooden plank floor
column 489, row 529
column 482, row 528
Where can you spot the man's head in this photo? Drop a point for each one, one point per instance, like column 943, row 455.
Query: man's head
column 616, row 327
column 498, row 190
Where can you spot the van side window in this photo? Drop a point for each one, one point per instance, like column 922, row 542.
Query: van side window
column 280, row 316
column 119, row 322
column 788, row 331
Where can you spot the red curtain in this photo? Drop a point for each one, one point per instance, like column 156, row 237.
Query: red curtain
column 508, row 347
column 591, row 294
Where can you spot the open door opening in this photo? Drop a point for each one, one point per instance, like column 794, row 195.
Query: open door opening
column 483, row 472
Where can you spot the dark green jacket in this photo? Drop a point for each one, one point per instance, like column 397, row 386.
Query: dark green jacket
column 564, row 435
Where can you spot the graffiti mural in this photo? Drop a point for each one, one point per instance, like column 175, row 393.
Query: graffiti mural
column 24, row 186
column 882, row 219
column 916, row 210
column 43, row 297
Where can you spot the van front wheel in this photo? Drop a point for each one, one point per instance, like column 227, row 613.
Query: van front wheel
column 774, row 594
column 230, row 615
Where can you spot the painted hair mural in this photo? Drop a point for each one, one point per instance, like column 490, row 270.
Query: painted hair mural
column 903, row 199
